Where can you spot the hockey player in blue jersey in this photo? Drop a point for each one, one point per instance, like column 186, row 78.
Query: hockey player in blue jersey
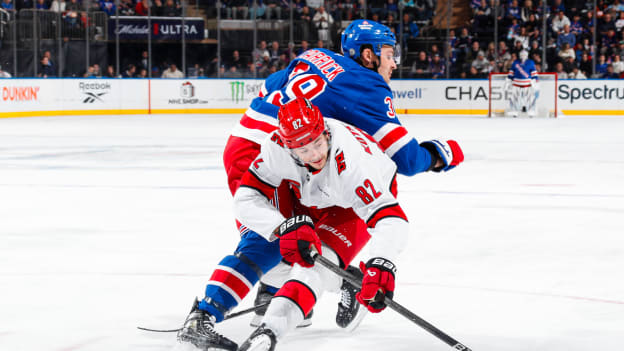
column 352, row 88
column 522, row 86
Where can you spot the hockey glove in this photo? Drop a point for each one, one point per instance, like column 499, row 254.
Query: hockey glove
column 377, row 284
column 449, row 152
column 297, row 240
column 535, row 85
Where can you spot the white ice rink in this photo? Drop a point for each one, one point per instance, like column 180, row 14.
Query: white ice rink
column 113, row 222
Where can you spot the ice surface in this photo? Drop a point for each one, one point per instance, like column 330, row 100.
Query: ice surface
column 112, row 222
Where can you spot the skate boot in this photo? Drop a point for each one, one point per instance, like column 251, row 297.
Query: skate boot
column 199, row 330
column 350, row 313
column 262, row 339
column 265, row 295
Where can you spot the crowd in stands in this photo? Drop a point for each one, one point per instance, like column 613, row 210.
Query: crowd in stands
column 569, row 34
column 469, row 52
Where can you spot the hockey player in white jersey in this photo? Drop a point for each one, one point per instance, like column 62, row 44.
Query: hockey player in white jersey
column 349, row 186
column 522, row 86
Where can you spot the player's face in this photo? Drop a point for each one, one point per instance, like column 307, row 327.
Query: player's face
column 386, row 63
column 315, row 153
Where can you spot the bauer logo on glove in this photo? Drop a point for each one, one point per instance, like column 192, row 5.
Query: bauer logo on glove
column 298, row 240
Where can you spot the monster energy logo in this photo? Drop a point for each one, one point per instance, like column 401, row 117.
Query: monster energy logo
column 238, row 91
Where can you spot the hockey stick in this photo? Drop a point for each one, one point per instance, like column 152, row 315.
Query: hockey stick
column 394, row 305
column 229, row 316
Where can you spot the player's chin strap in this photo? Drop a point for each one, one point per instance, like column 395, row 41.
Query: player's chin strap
column 393, row 305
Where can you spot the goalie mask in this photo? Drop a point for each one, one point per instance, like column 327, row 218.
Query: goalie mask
column 524, row 55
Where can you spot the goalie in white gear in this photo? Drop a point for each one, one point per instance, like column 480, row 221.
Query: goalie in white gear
column 522, row 86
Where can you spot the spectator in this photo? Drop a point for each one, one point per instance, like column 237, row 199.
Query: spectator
column 232, row 72
column 423, row 10
column 7, row 5
column 619, row 24
column 577, row 28
column 526, row 11
column 126, row 8
column 238, row 61
column 305, row 22
column 606, row 24
column 172, row 72
column 41, row 5
column 482, row 15
column 618, row 64
column 58, row 6
column 610, row 74
column 4, row 74
column 45, row 69
column 320, row 44
column 601, row 66
column 259, row 53
column 273, row 7
column 561, row 74
column 481, row 63
column 420, row 67
column 258, row 10
column 585, row 64
column 474, row 73
column 576, row 74
column 171, row 9
column 144, row 62
column 323, row 22
column 475, row 49
column 566, row 37
column 236, row 8
column 129, row 72
column 609, row 43
column 513, row 11
column 560, row 20
column 437, row 67
column 275, row 52
column 142, row 7
column 97, row 72
column 108, row 6
column 110, row 72
column 142, row 73
column 304, row 47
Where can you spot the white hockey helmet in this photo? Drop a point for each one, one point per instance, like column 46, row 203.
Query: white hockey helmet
column 524, row 55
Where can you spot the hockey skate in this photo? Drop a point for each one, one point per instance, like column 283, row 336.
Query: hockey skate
column 262, row 339
column 350, row 313
column 199, row 330
column 263, row 296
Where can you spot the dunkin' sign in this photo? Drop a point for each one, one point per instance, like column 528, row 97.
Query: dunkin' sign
column 20, row 93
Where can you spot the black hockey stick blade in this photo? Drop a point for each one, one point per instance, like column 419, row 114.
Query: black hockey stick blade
column 229, row 316
column 394, row 305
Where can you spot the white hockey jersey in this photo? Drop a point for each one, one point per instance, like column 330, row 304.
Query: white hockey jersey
column 357, row 175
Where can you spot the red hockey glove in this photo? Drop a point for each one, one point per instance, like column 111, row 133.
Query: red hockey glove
column 449, row 152
column 377, row 284
column 297, row 240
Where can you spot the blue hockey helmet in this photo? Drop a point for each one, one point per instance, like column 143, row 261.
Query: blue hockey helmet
column 362, row 32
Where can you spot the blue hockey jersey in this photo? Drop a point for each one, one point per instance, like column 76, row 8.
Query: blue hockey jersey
column 522, row 73
column 343, row 90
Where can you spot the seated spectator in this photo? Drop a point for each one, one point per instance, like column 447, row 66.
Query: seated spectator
column 482, row 15
column 585, row 65
column 606, row 24
column 610, row 74
column 141, row 8
column 473, row 73
column 171, row 9
column 126, row 8
column 618, row 64
column 238, row 61
column 437, row 67
column 423, row 10
column 108, row 6
column 577, row 28
column 513, row 11
column 474, row 51
column 257, row 11
column 304, row 47
column 142, row 73
column 238, row 9
column 7, row 5
column 576, row 74
column 259, row 53
column 609, row 43
column 275, row 52
column 420, row 67
column 129, row 72
column 58, row 6
column 566, row 52
column 526, row 11
column 110, row 72
column 559, row 21
column 566, row 37
column 41, row 5
column 481, row 63
column 45, row 69
column 619, row 24
column 409, row 27
column 232, row 72
column 273, row 9
column 601, row 66
column 172, row 72
column 561, row 74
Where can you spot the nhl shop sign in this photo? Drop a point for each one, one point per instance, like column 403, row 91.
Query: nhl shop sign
column 161, row 28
